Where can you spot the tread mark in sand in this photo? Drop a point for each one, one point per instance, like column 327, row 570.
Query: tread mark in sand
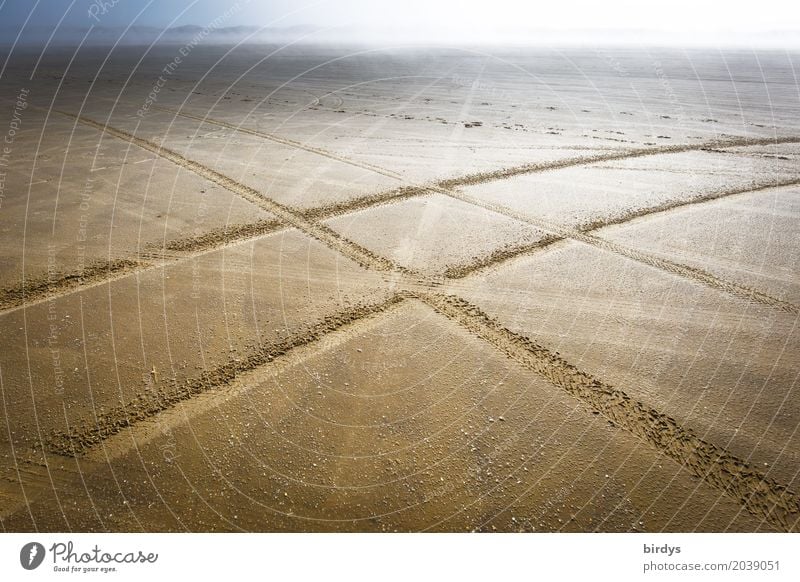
column 760, row 495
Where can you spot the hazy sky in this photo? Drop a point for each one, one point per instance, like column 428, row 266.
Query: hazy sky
column 472, row 19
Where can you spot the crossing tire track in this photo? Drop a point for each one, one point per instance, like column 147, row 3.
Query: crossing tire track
column 691, row 273
column 320, row 232
column 760, row 495
column 506, row 173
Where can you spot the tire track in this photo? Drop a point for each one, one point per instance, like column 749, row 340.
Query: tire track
column 39, row 290
column 499, row 256
column 694, row 274
column 760, row 495
column 506, row 173
column 320, row 232
column 81, row 439
column 753, row 187
column 33, row 291
column 217, row 238
column 349, row 206
column 36, row 290
column 691, row 273
column 284, row 141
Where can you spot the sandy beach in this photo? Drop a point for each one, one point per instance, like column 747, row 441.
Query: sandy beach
column 309, row 288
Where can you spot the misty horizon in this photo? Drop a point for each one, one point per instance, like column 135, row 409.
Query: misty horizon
column 505, row 22
column 311, row 34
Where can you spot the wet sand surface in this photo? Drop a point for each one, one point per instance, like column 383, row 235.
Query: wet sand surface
column 399, row 290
